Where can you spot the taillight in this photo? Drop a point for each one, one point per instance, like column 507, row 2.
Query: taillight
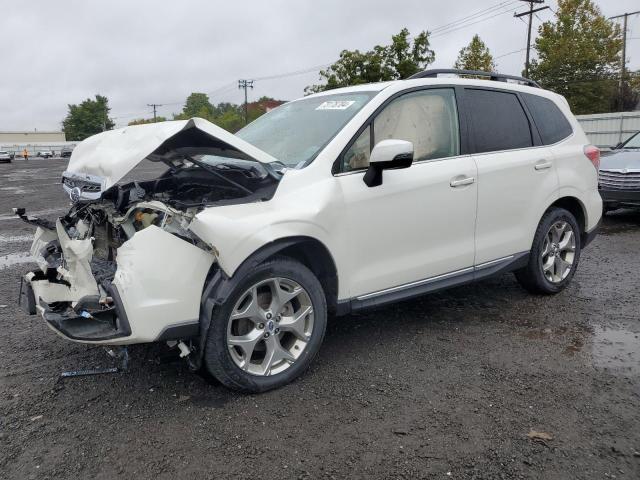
column 593, row 154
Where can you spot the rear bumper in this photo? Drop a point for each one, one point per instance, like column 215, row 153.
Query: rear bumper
column 612, row 198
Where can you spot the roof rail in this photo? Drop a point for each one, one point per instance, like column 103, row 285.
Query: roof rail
column 498, row 77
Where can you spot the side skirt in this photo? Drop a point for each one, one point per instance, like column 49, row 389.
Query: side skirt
column 433, row 284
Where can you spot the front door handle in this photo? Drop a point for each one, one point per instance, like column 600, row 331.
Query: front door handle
column 543, row 165
column 461, row 181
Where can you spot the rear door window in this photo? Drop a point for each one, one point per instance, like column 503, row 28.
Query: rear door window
column 498, row 121
column 552, row 125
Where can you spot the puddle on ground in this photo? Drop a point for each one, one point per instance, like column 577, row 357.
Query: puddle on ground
column 617, row 350
column 575, row 346
column 40, row 213
column 15, row 238
column 16, row 190
column 11, row 259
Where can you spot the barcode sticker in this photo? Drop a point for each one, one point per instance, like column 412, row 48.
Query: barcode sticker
column 336, row 105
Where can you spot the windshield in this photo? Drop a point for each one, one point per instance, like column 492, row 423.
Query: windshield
column 296, row 132
column 633, row 142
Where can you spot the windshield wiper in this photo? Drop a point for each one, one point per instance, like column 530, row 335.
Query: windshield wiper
column 212, row 170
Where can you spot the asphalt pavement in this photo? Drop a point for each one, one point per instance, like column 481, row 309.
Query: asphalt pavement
column 481, row 381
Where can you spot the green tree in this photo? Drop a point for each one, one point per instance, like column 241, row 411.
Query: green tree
column 88, row 118
column 400, row 59
column 579, row 56
column 197, row 105
column 628, row 98
column 231, row 120
column 475, row 56
column 226, row 115
column 143, row 121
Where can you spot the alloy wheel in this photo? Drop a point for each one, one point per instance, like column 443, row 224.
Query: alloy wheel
column 558, row 252
column 270, row 326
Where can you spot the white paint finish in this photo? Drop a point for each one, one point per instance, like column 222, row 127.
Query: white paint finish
column 413, row 226
column 579, row 178
column 49, row 292
column 114, row 153
column 302, row 206
column 77, row 268
column 159, row 279
column 512, row 196
column 387, row 150
column 358, row 223
column 420, row 223
column 40, row 240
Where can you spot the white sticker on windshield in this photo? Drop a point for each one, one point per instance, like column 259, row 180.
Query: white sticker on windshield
column 336, row 105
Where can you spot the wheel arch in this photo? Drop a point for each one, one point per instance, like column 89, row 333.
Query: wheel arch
column 309, row 251
column 576, row 208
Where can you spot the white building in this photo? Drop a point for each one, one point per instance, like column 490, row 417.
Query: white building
column 34, row 141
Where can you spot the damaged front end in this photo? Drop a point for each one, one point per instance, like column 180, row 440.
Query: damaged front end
column 123, row 266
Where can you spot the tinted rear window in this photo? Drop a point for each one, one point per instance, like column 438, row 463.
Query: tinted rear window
column 498, row 121
column 552, row 124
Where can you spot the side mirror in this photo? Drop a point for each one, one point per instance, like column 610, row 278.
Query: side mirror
column 387, row 155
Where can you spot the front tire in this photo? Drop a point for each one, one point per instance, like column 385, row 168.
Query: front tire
column 270, row 328
column 555, row 254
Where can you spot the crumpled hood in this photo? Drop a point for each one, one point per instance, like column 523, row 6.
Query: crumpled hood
column 621, row 160
column 108, row 156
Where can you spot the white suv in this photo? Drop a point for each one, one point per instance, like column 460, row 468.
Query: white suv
column 235, row 248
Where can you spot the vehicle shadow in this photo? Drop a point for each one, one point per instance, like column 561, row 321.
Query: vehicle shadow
column 620, row 221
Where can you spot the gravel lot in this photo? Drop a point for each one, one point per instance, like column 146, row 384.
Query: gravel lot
column 445, row 386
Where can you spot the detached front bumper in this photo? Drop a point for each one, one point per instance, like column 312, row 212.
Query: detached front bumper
column 86, row 322
column 150, row 293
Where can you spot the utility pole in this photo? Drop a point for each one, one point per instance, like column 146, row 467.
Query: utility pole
column 154, row 105
column 530, row 12
column 623, row 65
column 245, row 84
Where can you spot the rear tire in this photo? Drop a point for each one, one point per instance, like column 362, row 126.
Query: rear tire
column 554, row 255
column 269, row 329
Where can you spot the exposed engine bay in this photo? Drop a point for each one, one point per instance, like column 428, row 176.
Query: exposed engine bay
column 79, row 254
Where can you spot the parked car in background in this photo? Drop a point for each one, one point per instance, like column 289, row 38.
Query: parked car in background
column 619, row 181
column 333, row 203
column 44, row 154
column 5, row 156
column 66, row 152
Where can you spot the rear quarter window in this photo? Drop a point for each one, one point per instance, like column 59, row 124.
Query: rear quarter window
column 552, row 125
column 498, row 121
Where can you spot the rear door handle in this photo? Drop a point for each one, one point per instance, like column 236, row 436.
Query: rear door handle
column 461, row 181
column 543, row 165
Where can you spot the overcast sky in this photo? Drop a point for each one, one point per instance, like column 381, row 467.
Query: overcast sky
column 149, row 51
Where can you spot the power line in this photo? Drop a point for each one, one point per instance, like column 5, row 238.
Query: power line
column 472, row 16
column 485, row 14
column 294, row 73
column 510, row 53
column 465, row 25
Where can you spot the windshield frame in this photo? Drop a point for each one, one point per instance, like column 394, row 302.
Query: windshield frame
column 324, row 97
